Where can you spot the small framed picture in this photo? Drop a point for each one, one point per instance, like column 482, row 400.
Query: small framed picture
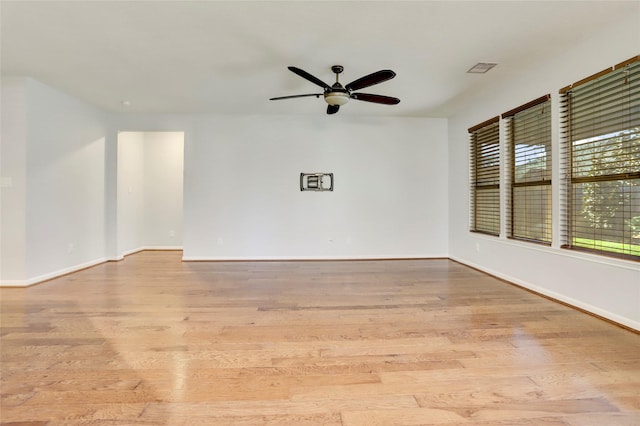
column 316, row 181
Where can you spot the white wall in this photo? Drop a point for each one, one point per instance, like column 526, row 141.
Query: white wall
column 242, row 196
column 163, row 182
column 150, row 182
column 130, row 192
column 241, row 185
column 13, row 163
column 64, row 182
column 608, row 287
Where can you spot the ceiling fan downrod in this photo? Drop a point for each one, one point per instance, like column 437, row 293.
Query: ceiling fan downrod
column 336, row 95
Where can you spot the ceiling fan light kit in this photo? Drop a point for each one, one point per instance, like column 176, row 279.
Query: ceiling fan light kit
column 336, row 98
column 337, row 94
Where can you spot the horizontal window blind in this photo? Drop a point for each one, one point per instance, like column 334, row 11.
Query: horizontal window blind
column 485, row 177
column 528, row 134
column 601, row 132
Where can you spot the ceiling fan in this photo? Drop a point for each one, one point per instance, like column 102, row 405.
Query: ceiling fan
column 337, row 95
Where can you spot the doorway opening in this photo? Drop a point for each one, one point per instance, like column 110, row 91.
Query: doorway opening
column 150, row 180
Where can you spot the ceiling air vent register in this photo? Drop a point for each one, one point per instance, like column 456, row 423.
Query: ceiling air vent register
column 481, row 68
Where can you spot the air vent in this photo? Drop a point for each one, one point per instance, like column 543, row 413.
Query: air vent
column 481, row 68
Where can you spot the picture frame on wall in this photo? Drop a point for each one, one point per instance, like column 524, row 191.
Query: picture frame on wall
column 317, row 182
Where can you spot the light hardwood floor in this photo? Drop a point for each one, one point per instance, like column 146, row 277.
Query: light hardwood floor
column 153, row 341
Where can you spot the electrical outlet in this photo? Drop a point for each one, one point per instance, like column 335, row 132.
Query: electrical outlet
column 70, row 248
column 172, row 233
column 220, row 241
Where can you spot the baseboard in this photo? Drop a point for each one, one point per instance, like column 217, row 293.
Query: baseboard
column 130, row 252
column 305, row 258
column 162, row 248
column 558, row 297
column 51, row 275
column 13, row 283
column 147, row 248
column 76, row 268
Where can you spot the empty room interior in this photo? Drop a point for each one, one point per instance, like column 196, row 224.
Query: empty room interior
column 320, row 212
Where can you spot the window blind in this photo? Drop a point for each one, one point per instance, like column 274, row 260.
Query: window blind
column 601, row 161
column 528, row 135
column 485, row 177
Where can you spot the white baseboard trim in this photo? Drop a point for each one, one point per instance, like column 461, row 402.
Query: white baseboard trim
column 129, row 252
column 75, row 268
column 51, row 275
column 13, row 283
column 162, row 248
column 306, row 258
column 146, row 248
column 627, row 322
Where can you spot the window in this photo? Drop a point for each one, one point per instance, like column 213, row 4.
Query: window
column 528, row 135
column 485, row 177
column 601, row 161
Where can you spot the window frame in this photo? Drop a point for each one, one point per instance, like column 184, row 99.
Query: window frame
column 574, row 132
column 514, row 120
column 484, row 178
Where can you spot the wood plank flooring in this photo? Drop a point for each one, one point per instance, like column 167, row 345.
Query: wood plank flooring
column 154, row 341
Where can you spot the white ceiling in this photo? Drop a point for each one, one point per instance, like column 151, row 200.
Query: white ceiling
column 230, row 57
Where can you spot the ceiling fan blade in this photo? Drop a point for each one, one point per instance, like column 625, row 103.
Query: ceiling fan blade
column 317, row 95
column 377, row 99
column 370, row 80
column 311, row 78
column 332, row 109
